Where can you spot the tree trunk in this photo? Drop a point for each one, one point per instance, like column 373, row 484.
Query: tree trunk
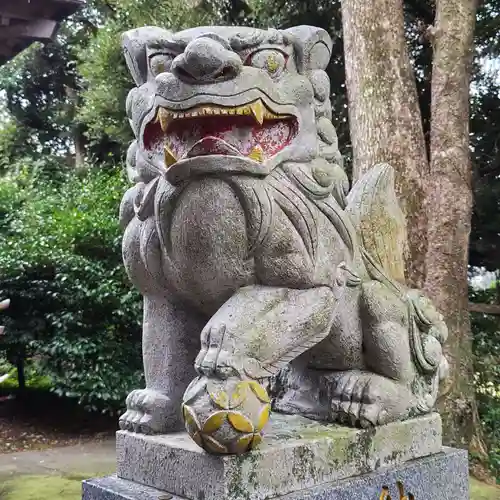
column 385, row 125
column 79, row 144
column 21, row 377
column 77, row 132
column 384, row 114
column 450, row 210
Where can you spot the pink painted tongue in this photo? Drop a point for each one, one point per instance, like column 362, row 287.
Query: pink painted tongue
column 228, row 136
column 212, row 146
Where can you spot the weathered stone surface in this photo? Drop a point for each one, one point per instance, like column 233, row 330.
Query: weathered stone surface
column 114, row 488
column 443, row 476
column 254, row 259
column 297, row 454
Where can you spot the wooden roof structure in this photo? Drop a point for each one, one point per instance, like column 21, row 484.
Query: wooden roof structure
column 23, row 22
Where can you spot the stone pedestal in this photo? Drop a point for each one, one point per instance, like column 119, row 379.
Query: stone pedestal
column 299, row 459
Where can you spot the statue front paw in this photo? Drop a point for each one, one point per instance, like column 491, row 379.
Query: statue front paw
column 218, row 363
column 213, row 360
column 151, row 412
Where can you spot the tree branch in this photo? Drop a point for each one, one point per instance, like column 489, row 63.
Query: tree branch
column 493, row 309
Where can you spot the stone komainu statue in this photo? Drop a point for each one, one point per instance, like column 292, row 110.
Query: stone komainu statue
column 261, row 272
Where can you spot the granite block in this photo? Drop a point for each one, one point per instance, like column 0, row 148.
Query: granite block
column 443, row 476
column 114, row 488
column 296, row 454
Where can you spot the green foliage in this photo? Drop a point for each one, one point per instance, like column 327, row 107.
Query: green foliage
column 14, row 144
column 486, row 347
column 71, row 303
column 34, row 376
column 36, row 86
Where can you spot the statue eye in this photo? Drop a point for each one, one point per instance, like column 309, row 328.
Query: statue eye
column 160, row 63
column 272, row 61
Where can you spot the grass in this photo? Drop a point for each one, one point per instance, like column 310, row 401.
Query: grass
column 42, row 488
column 481, row 491
column 70, row 488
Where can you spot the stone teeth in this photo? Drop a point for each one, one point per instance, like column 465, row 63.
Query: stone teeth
column 270, row 115
column 257, row 154
column 170, row 158
column 258, row 109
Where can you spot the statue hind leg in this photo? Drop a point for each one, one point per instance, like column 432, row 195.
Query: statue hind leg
column 393, row 384
column 362, row 373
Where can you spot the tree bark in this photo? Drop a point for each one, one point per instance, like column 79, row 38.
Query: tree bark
column 384, row 114
column 385, row 125
column 76, row 132
column 79, row 144
column 21, row 377
column 450, row 210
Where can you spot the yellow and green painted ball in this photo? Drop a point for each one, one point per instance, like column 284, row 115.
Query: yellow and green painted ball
column 226, row 416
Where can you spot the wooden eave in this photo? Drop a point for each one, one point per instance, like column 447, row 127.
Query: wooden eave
column 23, row 22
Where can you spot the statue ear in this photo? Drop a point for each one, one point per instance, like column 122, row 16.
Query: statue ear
column 313, row 47
column 135, row 43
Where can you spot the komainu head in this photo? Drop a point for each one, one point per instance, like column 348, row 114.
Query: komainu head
column 227, row 100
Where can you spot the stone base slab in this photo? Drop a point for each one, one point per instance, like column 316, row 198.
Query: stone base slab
column 296, row 454
column 444, row 476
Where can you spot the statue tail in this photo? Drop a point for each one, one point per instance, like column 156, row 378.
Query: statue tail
column 380, row 224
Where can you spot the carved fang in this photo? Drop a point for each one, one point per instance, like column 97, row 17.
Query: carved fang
column 257, row 154
column 170, row 158
column 164, row 117
column 258, row 111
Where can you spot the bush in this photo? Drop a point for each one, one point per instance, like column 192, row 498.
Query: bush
column 71, row 303
column 34, row 377
column 486, row 337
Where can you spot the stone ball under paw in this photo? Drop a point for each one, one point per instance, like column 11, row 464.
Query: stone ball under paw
column 226, row 416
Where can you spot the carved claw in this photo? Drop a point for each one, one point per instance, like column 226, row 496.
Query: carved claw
column 363, row 399
column 219, row 364
column 213, row 360
column 150, row 412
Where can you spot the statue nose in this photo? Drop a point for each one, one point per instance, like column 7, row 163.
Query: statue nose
column 206, row 60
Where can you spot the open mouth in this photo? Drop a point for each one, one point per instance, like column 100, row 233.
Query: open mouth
column 251, row 130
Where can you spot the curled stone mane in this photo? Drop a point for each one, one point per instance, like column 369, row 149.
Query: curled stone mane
column 287, row 188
